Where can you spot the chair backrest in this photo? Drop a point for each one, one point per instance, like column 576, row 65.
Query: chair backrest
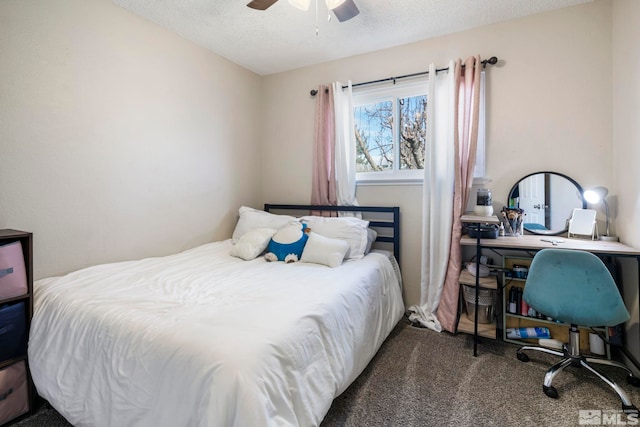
column 574, row 287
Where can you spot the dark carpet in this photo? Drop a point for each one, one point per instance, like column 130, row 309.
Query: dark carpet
column 424, row 378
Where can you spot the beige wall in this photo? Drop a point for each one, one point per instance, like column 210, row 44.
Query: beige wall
column 118, row 139
column 626, row 146
column 549, row 108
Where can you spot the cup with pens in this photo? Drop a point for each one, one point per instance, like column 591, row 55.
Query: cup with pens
column 512, row 219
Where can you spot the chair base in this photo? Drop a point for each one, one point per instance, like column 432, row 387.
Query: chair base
column 571, row 357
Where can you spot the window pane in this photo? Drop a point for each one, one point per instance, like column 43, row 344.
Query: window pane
column 413, row 131
column 374, row 138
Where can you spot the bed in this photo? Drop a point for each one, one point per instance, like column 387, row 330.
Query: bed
column 203, row 338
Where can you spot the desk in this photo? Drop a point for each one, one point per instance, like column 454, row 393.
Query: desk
column 531, row 242
column 534, row 243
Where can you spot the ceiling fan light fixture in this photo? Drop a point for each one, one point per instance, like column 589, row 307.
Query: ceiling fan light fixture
column 332, row 4
column 261, row 4
column 300, row 4
column 346, row 11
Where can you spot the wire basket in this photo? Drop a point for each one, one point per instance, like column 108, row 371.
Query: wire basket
column 486, row 303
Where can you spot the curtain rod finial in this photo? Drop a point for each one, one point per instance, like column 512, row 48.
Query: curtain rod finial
column 493, row 60
column 313, row 92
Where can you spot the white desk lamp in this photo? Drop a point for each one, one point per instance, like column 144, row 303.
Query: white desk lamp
column 599, row 194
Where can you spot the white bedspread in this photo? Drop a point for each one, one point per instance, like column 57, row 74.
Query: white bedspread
column 204, row 339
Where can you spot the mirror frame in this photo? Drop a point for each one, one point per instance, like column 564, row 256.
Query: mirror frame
column 571, row 180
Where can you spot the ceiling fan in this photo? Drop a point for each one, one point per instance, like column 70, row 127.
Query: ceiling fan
column 343, row 9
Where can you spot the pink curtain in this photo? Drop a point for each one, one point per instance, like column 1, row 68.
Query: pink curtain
column 323, row 190
column 466, row 113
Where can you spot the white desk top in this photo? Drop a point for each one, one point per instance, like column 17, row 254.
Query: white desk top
column 535, row 242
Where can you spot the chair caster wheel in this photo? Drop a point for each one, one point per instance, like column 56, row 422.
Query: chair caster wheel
column 631, row 409
column 634, row 381
column 522, row 357
column 550, row 391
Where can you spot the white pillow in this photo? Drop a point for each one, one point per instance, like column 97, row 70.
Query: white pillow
column 251, row 219
column 350, row 229
column 252, row 243
column 323, row 250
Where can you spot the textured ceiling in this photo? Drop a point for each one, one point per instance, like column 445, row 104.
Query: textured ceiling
column 284, row 38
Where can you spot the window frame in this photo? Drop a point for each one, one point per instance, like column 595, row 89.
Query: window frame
column 415, row 87
column 391, row 93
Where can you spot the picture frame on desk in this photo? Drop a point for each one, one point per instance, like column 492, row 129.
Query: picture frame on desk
column 583, row 223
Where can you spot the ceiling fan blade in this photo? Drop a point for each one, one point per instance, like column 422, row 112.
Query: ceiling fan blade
column 261, row 4
column 346, row 11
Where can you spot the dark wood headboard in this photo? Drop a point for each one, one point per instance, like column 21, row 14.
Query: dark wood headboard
column 386, row 223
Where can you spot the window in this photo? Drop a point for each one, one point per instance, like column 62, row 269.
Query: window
column 390, row 131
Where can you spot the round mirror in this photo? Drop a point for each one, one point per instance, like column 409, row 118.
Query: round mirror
column 548, row 200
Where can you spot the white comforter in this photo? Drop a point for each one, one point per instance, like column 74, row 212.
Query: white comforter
column 204, row 339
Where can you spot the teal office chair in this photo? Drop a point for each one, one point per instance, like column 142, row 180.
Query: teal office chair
column 576, row 288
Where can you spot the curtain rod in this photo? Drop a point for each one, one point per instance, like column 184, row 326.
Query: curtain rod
column 492, row 61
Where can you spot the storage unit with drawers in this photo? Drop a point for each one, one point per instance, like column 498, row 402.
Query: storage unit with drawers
column 16, row 308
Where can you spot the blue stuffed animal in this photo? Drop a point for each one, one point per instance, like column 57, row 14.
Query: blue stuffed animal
column 287, row 244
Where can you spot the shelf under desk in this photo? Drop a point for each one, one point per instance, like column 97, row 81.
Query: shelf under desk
column 471, row 218
column 534, row 243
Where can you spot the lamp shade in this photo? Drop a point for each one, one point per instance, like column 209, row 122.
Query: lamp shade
column 332, row 4
column 300, row 4
column 596, row 194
